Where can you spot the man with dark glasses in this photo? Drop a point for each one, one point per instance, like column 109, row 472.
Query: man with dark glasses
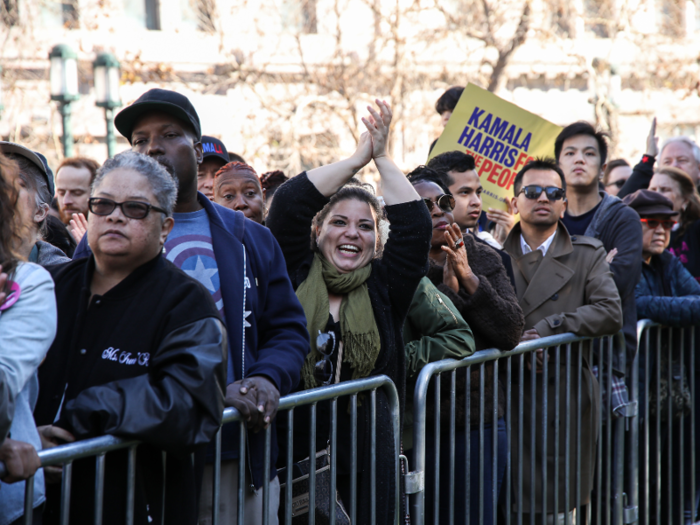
column 615, row 176
column 563, row 284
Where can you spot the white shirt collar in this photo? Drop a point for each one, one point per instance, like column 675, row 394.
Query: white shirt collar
column 525, row 247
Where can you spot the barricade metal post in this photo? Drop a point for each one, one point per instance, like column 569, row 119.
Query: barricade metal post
column 131, row 485
column 266, row 476
column 216, row 492
column 65, row 492
column 29, row 501
column 353, row 458
column 290, row 460
column 100, row 488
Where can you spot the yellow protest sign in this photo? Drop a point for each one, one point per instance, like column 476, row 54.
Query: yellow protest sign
column 501, row 137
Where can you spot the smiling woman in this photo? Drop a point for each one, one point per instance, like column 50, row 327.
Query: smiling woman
column 353, row 294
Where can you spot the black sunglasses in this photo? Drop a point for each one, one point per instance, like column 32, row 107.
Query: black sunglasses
column 534, row 191
column 445, row 203
column 323, row 370
column 619, row 183
column 652, row 224
column 131, row 209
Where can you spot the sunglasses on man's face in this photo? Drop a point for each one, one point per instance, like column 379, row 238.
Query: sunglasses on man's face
column 619, row 183
column 533, row 192
column 652, row 224
column 445, row 202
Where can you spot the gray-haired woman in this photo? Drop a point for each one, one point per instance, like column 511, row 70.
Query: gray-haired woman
column 137, row 347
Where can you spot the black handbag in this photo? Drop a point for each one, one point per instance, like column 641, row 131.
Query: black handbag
column 300, row 492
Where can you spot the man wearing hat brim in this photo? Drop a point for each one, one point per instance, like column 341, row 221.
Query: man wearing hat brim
column 33, row 204
column 242, row 266
column 215, row 156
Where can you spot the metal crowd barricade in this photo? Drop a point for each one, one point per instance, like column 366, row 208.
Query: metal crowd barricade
column 98, row 447
column 565, row 353
column 665, row 449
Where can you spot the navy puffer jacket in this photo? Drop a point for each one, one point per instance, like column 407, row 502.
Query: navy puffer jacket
column 667, row 293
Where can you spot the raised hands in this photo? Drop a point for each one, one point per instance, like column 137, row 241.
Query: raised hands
column 378, row 126
column 652, row 140
column 504, row 219
column 457, row 259
column 78, row 226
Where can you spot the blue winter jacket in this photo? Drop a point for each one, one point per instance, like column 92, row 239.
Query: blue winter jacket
column 667, row 293
column 253, row 272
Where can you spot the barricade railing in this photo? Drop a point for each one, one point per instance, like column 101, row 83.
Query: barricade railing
column 529, row 437
column 665, row 438
column 368, row 388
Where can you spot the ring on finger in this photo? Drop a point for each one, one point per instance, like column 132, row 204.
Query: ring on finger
column 459, row 243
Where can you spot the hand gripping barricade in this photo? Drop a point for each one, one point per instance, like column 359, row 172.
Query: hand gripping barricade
column 368, row 387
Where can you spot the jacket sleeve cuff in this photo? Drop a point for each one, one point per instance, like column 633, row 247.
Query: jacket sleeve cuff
column 554, row 324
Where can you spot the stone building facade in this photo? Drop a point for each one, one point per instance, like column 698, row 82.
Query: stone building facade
column 284, row 82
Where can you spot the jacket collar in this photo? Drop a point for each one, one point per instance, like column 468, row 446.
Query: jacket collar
column 129, row 286
column 560, row 246
column 606, row 206
column 217, row 213
column 550, row 276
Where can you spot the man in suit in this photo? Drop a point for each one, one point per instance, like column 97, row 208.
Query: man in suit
column 563, row 285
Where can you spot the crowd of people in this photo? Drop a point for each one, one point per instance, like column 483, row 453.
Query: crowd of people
column 136, row 301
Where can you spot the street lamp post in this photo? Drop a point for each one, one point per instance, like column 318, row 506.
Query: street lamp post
column 64, row 89
column 106, row 74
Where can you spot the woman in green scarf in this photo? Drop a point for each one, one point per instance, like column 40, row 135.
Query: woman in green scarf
column 355, row 296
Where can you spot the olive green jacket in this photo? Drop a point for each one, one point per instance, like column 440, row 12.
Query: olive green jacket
column 434, row 330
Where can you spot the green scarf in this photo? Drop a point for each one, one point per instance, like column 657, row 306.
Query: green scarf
column 359, row 332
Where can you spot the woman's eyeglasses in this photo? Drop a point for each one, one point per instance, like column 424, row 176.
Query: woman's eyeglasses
column 131, row 209
column 323, row 370
column 652, row 224
column 445, row 202
column 533, row 192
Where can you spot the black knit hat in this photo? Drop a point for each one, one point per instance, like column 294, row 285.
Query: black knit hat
column 646, row 202
column 163, row 100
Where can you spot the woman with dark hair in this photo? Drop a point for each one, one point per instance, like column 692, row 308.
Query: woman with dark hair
column 354, row 300
column 270, row 181
column 27, row 329
column 678, row 187
column 473, row 277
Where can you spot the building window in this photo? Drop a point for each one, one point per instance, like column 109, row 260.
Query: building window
column 9, row 12
column 153, row 15
column 55, row 13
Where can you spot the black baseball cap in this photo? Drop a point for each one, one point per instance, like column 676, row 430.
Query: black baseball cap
column 214, row 148
column 647, row 202
column 156, row 99
column 32, row 156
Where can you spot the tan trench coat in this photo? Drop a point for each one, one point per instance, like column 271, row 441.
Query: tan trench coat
column 571, row 289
